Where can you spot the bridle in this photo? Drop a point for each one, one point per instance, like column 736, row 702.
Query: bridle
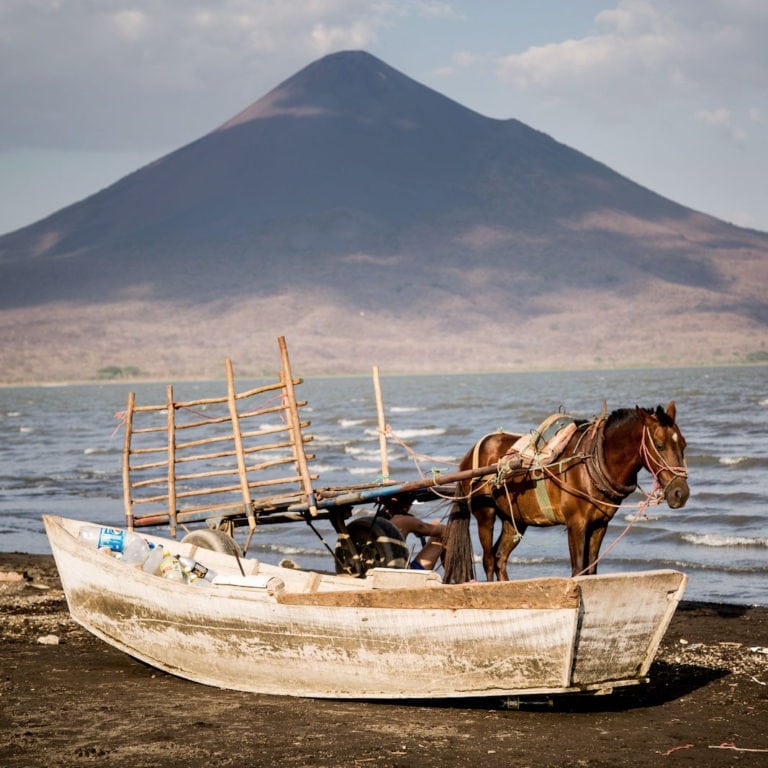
column 654, row 462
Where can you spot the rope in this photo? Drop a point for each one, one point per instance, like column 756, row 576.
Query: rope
column 518, row 536
column 416, row 457
column 257, row 408
column 653, row 498
column 122, row 421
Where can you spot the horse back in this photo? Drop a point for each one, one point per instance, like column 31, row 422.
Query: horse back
column 488, row 450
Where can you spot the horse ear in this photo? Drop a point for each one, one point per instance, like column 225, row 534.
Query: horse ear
column 641, row 413
column 671, row 410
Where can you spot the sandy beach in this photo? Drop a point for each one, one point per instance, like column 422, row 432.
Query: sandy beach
column 68, row 699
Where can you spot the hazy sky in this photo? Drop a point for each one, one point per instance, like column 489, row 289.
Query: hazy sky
column 671, row 93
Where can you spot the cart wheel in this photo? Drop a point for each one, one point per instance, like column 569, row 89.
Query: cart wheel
column 378, row 543
column 210, row 538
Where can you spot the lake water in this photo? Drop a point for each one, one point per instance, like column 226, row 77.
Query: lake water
column 60, row 453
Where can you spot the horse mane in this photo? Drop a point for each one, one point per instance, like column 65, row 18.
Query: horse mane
column 622, row 416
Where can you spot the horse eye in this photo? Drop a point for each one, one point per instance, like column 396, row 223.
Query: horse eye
column 659, row 446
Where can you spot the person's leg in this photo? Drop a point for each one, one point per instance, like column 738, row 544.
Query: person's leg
column 427, row 558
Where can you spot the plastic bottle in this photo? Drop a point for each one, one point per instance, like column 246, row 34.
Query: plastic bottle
column 170, row 567
column 155, row 557
column 196, row 570
column 132, row 547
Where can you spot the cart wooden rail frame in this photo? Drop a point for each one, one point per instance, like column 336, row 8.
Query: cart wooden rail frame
column 217, row 460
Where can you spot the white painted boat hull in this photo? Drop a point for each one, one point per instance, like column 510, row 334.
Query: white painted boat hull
column 339, row 637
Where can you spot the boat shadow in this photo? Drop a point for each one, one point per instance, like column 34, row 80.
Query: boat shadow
column 667, row 682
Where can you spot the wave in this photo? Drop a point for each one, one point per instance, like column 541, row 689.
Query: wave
column 725, row 463
column 634, row 563
column 328, row 441
column 714, row 567
column 406, row 409
column 370, row 471
column 362, row 454
column 408, row 434
column 718, row 540
column 450, row 460
column 528, row 560
column 351, row 422
column 276, row 425
column 323, row 468
column 286, row 549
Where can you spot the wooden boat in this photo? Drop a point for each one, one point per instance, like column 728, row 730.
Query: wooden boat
column 394, row 634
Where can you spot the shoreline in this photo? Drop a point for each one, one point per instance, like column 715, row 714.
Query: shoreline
column 70, row 699
column 175, row 378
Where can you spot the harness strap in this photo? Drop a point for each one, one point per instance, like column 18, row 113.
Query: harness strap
column 596, row 467
column 542, row 497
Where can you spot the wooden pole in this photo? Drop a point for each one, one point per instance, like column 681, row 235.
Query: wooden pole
column 382, row 425
column 128, row 416
column 171, row 459
column 375, row 493
column 238, row 438
column 294, row 421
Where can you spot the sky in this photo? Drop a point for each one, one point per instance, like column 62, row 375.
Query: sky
column 672, row 94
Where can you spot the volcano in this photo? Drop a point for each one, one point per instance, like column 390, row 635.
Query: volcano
column 351, row 190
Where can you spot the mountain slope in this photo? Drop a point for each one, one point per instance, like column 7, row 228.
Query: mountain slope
column 353, row 188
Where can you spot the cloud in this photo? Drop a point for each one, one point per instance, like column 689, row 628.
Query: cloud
column 649, row 50
column 720, row 116
column 130, row 23
column 147, row 72
column 332, row 38
column 723, row 119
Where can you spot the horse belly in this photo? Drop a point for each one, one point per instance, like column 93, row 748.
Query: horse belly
column 538, row 505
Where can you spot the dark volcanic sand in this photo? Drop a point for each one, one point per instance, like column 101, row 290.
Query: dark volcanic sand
column 80, row 702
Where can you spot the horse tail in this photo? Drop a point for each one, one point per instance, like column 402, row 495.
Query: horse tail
column 458, row 562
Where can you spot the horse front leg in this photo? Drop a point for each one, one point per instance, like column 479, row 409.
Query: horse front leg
column 577, row 543
column 584, row 542
column 595, row 538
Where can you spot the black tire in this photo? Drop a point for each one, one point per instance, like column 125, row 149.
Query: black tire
column 210, row 538
column 378, row 543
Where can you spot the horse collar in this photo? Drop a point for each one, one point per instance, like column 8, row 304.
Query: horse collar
column 598, row 470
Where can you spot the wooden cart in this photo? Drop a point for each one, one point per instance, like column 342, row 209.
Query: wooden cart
column 204, row 467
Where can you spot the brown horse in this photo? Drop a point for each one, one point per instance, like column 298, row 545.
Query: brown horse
column 582, row 489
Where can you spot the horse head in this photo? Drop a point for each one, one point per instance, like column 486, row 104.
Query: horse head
column 662, row 450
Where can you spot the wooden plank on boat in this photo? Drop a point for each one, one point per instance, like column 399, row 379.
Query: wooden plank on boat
column 540, row 594
column 622, row 622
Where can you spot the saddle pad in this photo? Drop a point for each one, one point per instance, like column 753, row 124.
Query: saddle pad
column 544, row 444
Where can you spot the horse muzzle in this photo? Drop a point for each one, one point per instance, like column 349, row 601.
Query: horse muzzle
column 676, row 492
